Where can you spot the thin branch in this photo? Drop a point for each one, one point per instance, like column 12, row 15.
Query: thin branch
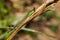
column 35, row 14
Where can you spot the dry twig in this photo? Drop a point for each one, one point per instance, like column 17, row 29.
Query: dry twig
column 35, row 14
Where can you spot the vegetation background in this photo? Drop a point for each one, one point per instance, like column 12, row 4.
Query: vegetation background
column 46, row 26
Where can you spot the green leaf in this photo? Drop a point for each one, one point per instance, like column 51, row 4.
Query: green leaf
column 6, row 35
column 30, row 30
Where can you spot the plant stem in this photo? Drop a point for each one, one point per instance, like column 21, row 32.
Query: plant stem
column 35, row 14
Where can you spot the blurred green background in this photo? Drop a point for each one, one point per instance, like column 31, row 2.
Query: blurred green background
column 43, row 27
